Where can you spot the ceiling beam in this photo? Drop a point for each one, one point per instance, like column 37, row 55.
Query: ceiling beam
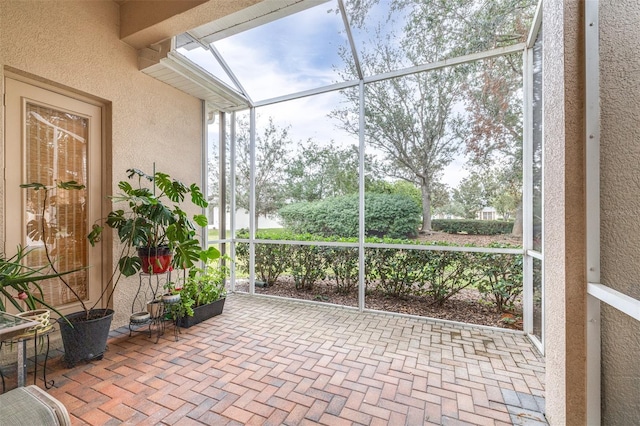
column 146, row 22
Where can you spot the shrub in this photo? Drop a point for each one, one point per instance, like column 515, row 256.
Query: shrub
column 271, row 260
column 398, row 272
column 501, row 277
column 449, row 272
column 472, row 227
column 307, row 265
column 343, row 262
column 391, row 215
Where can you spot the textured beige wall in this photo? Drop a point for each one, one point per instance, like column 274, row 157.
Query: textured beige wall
column 76, row 44
column 564, row 233
column 620, row 204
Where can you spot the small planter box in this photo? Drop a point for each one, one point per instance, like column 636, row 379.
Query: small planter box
column 202, row 313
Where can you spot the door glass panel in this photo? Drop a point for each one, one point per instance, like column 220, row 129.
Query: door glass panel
column 56, row 151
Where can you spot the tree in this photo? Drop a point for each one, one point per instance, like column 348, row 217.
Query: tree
column 495, row 105
column 272, row 147
column 495, row 109
column 471, row 195
column 213, row 185
column 411, row 119
column 318, row 172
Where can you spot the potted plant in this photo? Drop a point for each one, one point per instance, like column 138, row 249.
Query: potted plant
column 19, row 284
column 171, row 294
column 84, row 333
column 203, row 293
column 153, row 221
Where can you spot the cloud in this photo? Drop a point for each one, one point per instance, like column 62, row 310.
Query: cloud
column 289, row 55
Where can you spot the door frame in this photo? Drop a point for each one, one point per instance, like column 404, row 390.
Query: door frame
column 100, row 268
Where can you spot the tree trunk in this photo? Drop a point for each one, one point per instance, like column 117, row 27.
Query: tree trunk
column 517, row 224
column 426, row 208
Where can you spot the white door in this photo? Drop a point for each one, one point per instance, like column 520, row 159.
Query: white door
column 53, row 138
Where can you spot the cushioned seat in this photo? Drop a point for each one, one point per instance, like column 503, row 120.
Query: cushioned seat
column 31, row 406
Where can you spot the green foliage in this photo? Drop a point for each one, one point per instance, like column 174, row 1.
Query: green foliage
column 472, row 227
column 392, row 215
column 343, row 262
column 439, row 274
column 471, row 195
column 398, row 272
column 20, row 283
column 307, row 265
column 448, row 272
column 154, row 220
column 271, row 260
column 501, row 277
column 401, row 187
column 203, row 285
column 318, row 172
column 272, row 145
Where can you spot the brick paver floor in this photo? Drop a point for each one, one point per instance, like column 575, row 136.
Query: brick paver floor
column 268, row 361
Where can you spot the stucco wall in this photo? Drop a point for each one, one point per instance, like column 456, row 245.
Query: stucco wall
column 76, row 44
column 564, row 214
column 620, row 204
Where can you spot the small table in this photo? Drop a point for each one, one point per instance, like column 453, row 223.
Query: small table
column 11, row 326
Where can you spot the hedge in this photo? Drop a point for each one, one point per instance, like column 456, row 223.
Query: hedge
column 386, row 215
column 472, row 227
column 436, row 274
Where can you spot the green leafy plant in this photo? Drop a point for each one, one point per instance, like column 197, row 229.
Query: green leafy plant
column 390, row 215
column 151, row 219
column 204, row 285
column 472, row 227
column 307, row 265
column 19, row 283
column 448, row 273
column 271, row 260
column 154, row 219
column 501, row 277
column 343, row 262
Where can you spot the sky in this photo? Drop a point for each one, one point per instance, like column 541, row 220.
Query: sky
column 293, row 54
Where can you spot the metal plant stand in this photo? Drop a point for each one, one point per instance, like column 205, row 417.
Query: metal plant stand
column 151, row 319
column 21, row 342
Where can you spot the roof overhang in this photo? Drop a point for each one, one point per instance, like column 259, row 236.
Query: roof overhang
column 161, row 63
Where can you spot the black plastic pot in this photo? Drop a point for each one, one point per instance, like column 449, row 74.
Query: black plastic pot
column 202, row 313
column 87, row 339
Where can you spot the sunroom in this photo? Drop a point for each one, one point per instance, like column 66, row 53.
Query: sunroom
column 361, row 103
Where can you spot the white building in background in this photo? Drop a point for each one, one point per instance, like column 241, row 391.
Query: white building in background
column 242, row 220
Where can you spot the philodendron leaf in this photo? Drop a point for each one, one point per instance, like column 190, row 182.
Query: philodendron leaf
column 95, row 235
column 72, row 184
column 34, row 185
column 187, row 254
column 129, row 265
column 211, row 253
column 197, row 197
column 200, row 219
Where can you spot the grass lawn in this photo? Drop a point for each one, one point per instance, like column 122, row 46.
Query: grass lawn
column 214, row 234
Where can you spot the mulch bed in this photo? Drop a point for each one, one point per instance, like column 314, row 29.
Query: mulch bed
column 467, row 306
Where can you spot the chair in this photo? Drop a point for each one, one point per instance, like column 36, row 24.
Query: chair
column 31, row 405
